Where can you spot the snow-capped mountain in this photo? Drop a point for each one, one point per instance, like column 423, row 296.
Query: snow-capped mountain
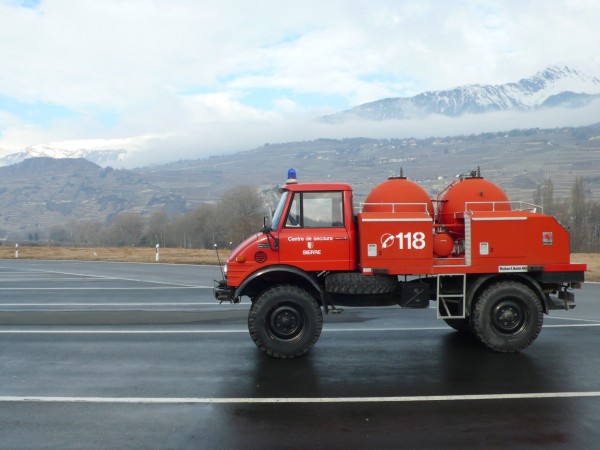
column 102, row 157
column 555, row 86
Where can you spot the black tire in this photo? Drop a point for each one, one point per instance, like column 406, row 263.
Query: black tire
column 285, row 321
column 460, row 325
column 357, row 283
column 508, row 316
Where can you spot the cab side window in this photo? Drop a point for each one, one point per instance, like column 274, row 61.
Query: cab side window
column 293, row 217
column 316, row 210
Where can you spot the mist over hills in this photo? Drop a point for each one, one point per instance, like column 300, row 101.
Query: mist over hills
column 41, row 192
column 559, row 95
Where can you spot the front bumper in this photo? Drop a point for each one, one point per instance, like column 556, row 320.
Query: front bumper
column 224, row 293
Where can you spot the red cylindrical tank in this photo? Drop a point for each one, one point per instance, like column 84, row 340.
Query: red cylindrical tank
column 397, row 194
column 443, row 244
column 473, row 194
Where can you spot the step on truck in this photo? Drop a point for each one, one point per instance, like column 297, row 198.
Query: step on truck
column 492, row 267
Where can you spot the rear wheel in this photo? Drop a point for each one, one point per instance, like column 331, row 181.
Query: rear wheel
column 285, row 321
column 508, row 316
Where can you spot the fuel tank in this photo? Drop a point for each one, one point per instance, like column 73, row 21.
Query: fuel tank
column 468, row 194
column 398, row 194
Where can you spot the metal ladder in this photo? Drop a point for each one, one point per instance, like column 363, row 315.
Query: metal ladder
column 451, row 296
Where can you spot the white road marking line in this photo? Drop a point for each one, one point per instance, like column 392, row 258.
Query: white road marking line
column 104, row 277
column 449, row 329
column 38, row 278
column 303, row 400
column 574, row 318
column 94, row 280
column 4, row 331
column 12, row 305
column 241, row 330
column 175, row 286
column 79, row 261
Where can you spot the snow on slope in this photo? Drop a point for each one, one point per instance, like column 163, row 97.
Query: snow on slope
column 103, row 152
column 553, row 86
column 100, row 157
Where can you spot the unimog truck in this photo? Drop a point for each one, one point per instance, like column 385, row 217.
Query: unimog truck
column 492, row 267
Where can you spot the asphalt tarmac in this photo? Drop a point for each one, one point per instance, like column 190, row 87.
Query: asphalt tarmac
column 131, row 356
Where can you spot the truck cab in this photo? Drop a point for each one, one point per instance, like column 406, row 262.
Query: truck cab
column 312, row 230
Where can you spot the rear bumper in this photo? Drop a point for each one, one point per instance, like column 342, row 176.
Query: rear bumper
column 574, row 277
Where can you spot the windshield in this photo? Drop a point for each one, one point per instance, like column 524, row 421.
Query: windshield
column 279, row 211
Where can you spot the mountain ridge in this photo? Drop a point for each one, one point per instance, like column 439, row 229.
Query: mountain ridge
column 556, row 86
column 561, row 84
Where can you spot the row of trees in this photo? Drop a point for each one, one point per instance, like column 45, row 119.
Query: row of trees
column 580, row 215
column 238, row 214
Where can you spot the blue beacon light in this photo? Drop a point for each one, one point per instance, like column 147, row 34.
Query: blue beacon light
column 291, row 177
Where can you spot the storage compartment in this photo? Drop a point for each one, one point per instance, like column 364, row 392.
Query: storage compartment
column 396, row 243
column 414, row 294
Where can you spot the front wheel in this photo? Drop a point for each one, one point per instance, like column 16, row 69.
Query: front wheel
column 285, row 321
column 508, row 316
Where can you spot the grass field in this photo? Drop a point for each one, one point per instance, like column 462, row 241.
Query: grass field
column 186, row 256
column 129, row 254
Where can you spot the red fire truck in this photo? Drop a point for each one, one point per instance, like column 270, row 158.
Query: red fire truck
column 492, row 267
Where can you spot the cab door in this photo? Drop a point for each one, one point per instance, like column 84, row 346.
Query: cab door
column 314, row 236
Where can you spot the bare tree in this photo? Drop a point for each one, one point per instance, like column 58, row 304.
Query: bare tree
column 237, row 215
column 548, row 196
column 157, row 227
column 203, row 226
column 544, row 196
column 594, row 227
column 126, row 229
column 579, row 214
column 87, row 232
column 58, row 233
column 240, row 213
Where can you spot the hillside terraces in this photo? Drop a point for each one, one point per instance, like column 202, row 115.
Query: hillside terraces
column 42, row 192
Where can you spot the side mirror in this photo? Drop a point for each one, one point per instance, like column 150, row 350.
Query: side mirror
column 265, row 228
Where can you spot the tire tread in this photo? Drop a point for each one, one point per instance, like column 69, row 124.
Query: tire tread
column 265, row 302
column 481, row 320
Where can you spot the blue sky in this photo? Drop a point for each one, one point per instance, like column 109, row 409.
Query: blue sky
column 205, row 77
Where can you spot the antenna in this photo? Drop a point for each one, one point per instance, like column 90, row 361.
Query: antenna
column 219, row 260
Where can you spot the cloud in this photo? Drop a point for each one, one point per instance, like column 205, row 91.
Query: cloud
column 203, row 70
column 223, row 137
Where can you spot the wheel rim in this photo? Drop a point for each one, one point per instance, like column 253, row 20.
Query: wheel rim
column 286, row 322
column 510, row 316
